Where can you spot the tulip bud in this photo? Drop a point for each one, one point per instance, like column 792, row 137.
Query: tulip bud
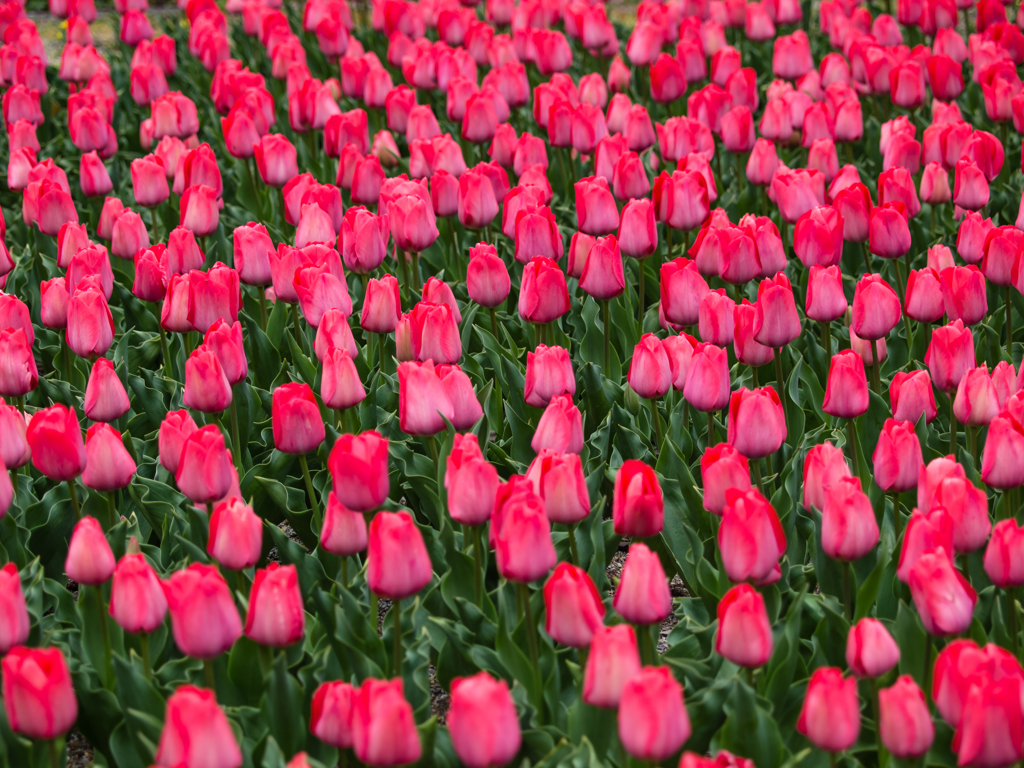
column 482, row 721
column 397, row 561
column 18, row 373
column 55, row 439
column 1004, row 450
column 204, row 470
column 757, row 422
column 744, row 634
column 359, row 470
column 1003, row 555
column 905, row 727
column 176, row 426
column 344, row 531
column 643, row 595
column 650, row 375
column 39, row 698
column 943, row 597
column 207, row 388
column 846, row 393
column 330, row 717
column 870, row 649
column 108, row 465
column 298, row 425
column 548, row 373
column 750, row 537
column 90, row 325
column 950, row 355
column 522, row 534
column 976, row 403
column 848, row 526
column 236, row 535
column 830, row 717
column 876, row 308
column 707, row 382
column 613, row 659
column 572, row 605
column 653, row 722
column 637, row 502
column 897, row 457
column 90, row 560
column 276, row 617
column 383, row 729
column 911, row 396
column 15, row 626
column 137, row 601
column 197, row 731
column 682, row 291
column 558, row 479
column 487, row 278
column 204, row 619
column 560, row 428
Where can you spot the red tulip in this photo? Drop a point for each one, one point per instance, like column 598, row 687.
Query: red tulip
column 950, row 355
column 613, row 659
column 572, row 606
column 830, row 717
column 482, row 721
column 204, row 471
column 744, row 634
column 196, row 731
column 276, row 617
column 653, row 722
column 643, row 595
column 943, row 597
column 204, row 619
column 846, row 393
column 849, row 529
column 750, row 537
column 39, row 698
column 870, row 650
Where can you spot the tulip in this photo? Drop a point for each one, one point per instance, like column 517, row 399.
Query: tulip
column 750, row 537
column 976, row 403
column 876, row 308
column 397, row 561
column 558, row 479
column 846, row 392
column 897, row 457
column 925, row 531
column 643, row 595
column 344, row 531
column 906, row 727
column 196, row 732
column 992, row 720
column 943, row 597
column 825, row 298
column 18, row 373
column 383, row 728
column 482, row 721
column 236, row 535
column 521, row 535
column 15, row 627
column 707, row 382
column 298, row 426
column 109, row 466
column 39, row 698
column 544, row 294
column 722, row 467
column 818, row 236
column 548, row 373
column 830, row 717
column 199, row 210
column 613, row 659
column 870, row 650
column 330, row 714
column 90, row 324
column 275, row 617
column 204, row 470
column 1003, row 449
column 924, row 295
column 487, row 278
column 90, row 560
column 359, row 470
column 653, row 722
column 637, row 502
column 382, row 305
column 823, row 466
column 573, row 607
column 470, row 481
column 682, row 290
column 55, row 439
column 848, row 529
column 204, row 619
column 207, row 388
column 596, row 211
column 744, row 634
column 649, row 372
column 560, row 427
column 776, row 322
column 716, row 317
column 950, row 355
column 757, row 424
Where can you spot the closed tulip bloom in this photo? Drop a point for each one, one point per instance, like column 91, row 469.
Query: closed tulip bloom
column 459, row 389
column 560, row 427
column 276, row 617
column 757, row 423
column 992, row 722
column 888, row 231
column 196, row 732
column 911, row 396
column 744, row 634
column 477, row 203
column 176, row 426
column 39, row 697
column 950, row 355
column 943, row 597
column 90, row 560
column 830, row 717
column 682, row 290
column 236, row 535
column 824, row 465
column 137, row 601
column 383, row 728
column 340, row 385
column 331, row 714
column 1003, row 562
column 762, row 163
column 613, row 659
column 548, row 373
column 1000, row 254
column 906, row 727
column 359, row 470
column 649, row 373
column 1004, row 448
column 572, row 605
column 849, row 529
column 722, row 467
column 55, row 439
column 397, row 561
column 707, row 382
column 53, row 302
column 643, row 595
column 964, row 295
column 750, row 537
column 776, row 322
column 970, row 187
column 818, row 236
column 935, row 184
column 105, row 396
column 207, row 388
column 870, row 650
column 972, row 237
column 276, row 159
column 482, row 721
column 522, row 538
column 109, row 466
column 544, row 293
column 18, row 373
column 90, row 328
column 470, row 481
column 344, row 531
column 638, row 507
column 897, row 456
column 381, row 305
column 15, row 627
column 925, row 531
column 558, row 479
column 423, row 403
column 924, row 295
column 298, row 425
column 487, row 278
column 976, row 402
column 846, row 393
column 149, row 181
column 716, row 317
column 596, row 211
column 204, row 619
column 876, row 308
column 204, row 471
column 825, row 298
column 653, row 722
column 252, row 248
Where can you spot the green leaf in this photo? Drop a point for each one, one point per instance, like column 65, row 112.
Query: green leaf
column 749, row 730
column 283, row 706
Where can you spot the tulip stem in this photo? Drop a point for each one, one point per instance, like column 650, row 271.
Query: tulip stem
column 156, row 225
column 782, row 387
column 826, row 337
column 973, row 432
column 478, row 562
column 904, row 289
column 309, row 489
column 878, row 721
column 876, row 378
column 656, row 418
column 383, row 353
column 494, row 324
column 211, row 679
column 108, row 670
column 531, row 638
column 68, row 364
column 648, row 654
column 416, row 280
column 295, row 325
column 607, row 318
column 640, row 296
column 252, row 183
column 74, row 500
column 711, row 429
column 164, row 350
column 111, row 510
column 261, row 293
column 236, row 443
column 867, row 259
column 927, row 687
column 758, row 478
column 1009, row 326
column 668, row 242
column 1011, row 599
column 847, row 596
column 396, row 608
column 896, row 516
column 54, row 753
column 851, row 430
column 573, row 553
column 952, row 426
column 147, row 664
